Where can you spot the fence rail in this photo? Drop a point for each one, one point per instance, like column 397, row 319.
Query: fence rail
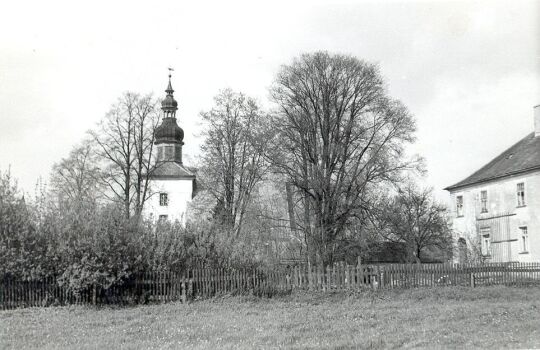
column 204, row 283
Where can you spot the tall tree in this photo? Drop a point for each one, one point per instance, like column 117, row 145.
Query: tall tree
column 124, row 141
column 234, row 154
column 340, row 135
column 414, row 219
column 75, row 179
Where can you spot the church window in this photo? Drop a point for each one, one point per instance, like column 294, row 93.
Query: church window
column 163, row 199
column 521, row 194
column 483, row 202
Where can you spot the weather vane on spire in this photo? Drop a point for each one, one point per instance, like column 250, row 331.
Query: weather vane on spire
column 170, row 70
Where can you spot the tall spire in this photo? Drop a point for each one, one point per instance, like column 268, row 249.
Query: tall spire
column 169, row 90
column 169, row 132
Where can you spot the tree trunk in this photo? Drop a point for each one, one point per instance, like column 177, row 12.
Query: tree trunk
column 290, row 207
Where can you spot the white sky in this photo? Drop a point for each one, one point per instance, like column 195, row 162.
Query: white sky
column 468, row 71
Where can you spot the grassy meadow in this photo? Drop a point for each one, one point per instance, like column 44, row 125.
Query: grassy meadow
column 452, row 317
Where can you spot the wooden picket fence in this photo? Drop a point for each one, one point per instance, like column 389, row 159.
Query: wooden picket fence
column 199, row 283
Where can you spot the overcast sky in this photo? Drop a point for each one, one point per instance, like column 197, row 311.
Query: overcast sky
column 468, row 71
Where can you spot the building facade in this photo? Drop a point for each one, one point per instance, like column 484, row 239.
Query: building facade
column 172, row 184
column 496, row 210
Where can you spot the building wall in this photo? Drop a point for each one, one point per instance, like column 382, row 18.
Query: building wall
column 179, row 193
column 503, row 218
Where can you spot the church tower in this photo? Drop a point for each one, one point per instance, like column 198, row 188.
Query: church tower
column 172, row 184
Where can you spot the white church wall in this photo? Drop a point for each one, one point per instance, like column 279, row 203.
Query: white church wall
column 179, row 193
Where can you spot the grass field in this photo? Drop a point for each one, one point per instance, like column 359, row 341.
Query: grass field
column 496, row 317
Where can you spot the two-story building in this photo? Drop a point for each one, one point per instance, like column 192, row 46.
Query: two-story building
column 496, row 210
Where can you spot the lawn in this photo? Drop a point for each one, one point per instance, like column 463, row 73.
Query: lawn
column 452, row 317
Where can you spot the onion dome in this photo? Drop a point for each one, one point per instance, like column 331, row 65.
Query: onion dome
column 169, row 131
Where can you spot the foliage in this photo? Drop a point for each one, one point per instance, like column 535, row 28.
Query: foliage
column 234, row 155
column 105, row 251
column 414, row 219
column 75, row 179
column 124, row 141
column 334, row 140
column 95, row 245
column 340, row 136
column 469, row 249
column 23, row 250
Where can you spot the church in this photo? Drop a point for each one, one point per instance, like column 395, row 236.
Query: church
column 496, row 210
column 172, row 184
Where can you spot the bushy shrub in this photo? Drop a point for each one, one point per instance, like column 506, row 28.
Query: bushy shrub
column 86, row 244
column 105, row 251
column 24, row 252
column 198, row 244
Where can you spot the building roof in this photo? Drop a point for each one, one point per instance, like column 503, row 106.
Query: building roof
column 172, row 170
column 169, row 132
column 522, row 157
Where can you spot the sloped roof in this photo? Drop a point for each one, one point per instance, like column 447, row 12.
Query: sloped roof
column 173, row 170
column 521, row 157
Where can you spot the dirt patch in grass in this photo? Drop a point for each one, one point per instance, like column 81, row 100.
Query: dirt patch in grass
column 451, row 317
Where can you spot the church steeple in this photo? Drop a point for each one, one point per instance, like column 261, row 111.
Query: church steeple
column 169, row 90
column 169, row 137
column 173, row 183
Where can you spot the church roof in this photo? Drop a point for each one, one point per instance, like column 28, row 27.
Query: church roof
column 522, row 157
column 173, row 170
column 169, row 131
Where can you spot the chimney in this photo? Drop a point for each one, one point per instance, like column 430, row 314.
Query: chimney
column 537, row 121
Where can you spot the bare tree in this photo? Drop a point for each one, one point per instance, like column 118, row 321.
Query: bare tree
column 124, row 141
column 340, row 136
column 75, row 179
column 233, row 154
column 414, row 219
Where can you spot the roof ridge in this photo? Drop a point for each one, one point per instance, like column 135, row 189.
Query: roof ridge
column 507, row 169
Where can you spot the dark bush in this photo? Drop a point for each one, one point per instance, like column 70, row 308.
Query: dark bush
column 87, row 245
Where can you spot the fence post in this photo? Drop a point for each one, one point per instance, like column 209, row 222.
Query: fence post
column 309, row 277
column 380, row 273
column 359, row 273
column 94, row 295
column 472, row 279
column 378, row 282
column 184, row 296
column 190, row 283
column 330, row 278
